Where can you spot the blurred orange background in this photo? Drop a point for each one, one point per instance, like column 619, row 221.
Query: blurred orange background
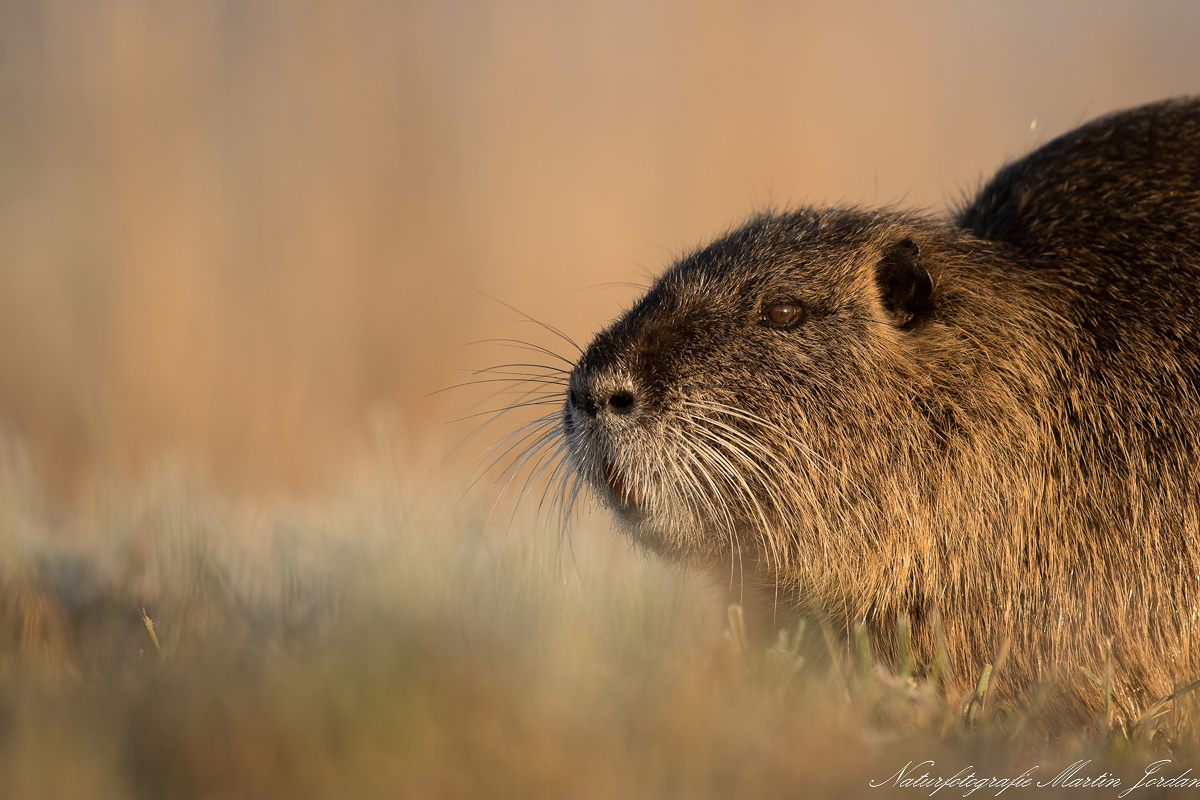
column 230, row 232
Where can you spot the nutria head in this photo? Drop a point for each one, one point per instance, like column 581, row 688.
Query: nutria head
column 782, row 393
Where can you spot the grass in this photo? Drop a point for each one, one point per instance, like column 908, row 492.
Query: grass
column 175, row 643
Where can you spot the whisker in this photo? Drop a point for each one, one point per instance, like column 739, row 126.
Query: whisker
column 544, row 325
column 541, row 370
column 539, row 400
column 521, row 344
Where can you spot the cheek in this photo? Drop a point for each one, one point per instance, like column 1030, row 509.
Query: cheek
column 842, row 349
column 814, row 370
column 817, row 357
column 791, row 357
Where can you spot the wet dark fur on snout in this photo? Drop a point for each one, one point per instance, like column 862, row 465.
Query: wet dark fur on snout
column 992, row 419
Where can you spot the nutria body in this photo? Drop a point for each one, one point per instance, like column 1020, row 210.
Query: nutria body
column 992, row 419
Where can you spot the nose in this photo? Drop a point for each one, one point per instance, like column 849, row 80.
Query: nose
column 593, row 399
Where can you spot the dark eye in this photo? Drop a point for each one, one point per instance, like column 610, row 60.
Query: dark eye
column 782, row 315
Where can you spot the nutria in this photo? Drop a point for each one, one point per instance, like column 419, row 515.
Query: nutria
column 991, row 419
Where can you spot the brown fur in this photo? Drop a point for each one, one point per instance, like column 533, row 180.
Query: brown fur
column 994, row 419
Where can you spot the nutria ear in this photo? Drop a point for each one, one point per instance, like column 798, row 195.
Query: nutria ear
column 904, row 283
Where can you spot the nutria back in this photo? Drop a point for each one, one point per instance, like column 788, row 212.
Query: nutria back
column 988, row 424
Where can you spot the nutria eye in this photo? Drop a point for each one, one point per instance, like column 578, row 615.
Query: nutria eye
column 782, row 315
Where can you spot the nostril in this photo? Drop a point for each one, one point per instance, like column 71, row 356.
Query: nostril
column 621, row 402
column 573, row 397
